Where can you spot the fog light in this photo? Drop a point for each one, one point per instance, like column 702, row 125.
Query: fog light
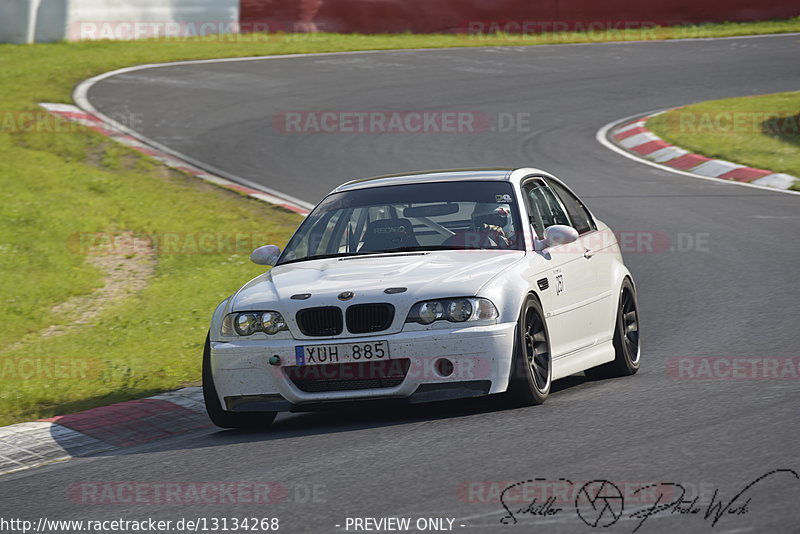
column 444, row 367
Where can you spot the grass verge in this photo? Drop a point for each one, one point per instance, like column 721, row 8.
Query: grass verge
column 64, row 188
column 759, row 131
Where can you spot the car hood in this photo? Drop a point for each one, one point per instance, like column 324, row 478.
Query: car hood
column 426, row 275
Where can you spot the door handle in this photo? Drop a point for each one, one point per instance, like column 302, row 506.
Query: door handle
column 589, row 253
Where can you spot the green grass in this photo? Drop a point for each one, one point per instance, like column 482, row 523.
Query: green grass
column 55, row 187
column 759, row 131
column 152, row 340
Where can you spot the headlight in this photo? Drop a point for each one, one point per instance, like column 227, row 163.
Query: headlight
column 459, row 310
column 428, row 312
column 245, row 324
column 456, row 310
column 248, row 323
column 272, row 322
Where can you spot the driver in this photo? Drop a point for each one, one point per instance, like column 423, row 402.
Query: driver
column 490, row 219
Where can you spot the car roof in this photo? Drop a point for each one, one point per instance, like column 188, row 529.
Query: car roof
column 449, row 175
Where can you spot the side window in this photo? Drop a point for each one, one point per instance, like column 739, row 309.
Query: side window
column 581, row 218
column 543, row 207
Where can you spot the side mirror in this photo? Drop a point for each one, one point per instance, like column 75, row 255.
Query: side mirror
column 266, row 255
column 558, row 234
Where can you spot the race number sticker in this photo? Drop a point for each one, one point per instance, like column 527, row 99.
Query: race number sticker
column 560, row 289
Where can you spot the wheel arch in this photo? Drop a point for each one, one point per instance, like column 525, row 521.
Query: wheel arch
column 508, row 292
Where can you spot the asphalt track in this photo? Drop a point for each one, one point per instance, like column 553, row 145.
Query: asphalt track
column 726, row 287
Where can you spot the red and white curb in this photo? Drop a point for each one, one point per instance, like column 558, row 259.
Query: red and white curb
column 103, row 429
column 632, row 138
column 108, row 129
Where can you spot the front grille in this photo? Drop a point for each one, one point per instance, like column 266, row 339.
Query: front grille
column 366, row 318
column 348, row 376
column 324, row 321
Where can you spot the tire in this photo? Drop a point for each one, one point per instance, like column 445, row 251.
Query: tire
column 220, row 417
column 531, row 365
column 627, row 347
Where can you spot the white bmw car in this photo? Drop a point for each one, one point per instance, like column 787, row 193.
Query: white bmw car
column 425, row 287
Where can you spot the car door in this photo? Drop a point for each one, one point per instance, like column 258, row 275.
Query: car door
column 597, row 250
column 571, row 279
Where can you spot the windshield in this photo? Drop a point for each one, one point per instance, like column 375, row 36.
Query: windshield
column 414, row 217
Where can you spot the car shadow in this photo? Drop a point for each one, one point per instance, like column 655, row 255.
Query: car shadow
column 347, row 418
column 180, row 428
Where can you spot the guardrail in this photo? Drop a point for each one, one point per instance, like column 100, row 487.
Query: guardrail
column 490, row 16
column 28, row 21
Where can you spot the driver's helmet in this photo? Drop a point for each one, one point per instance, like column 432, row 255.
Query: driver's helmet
column 491, row 214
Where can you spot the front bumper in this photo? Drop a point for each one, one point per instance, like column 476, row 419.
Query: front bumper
column 481, row 357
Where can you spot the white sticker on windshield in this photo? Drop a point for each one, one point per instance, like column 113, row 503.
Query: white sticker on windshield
column 502, row 199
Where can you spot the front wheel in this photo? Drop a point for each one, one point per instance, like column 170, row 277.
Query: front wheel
column 626, row 338
column 220, row 417
column 531, row 366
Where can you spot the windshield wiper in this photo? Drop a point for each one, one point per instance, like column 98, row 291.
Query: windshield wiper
column 410, row 249
column 317, row 257
column 370, row 253
column 399, row 249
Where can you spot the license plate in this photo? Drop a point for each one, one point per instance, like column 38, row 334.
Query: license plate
column 341, row 353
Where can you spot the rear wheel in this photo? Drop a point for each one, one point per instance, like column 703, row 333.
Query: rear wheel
column 220, row 417
column 531, row 367
column 626, row 338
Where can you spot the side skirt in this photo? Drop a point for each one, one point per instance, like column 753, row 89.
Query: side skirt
column 585, row 359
